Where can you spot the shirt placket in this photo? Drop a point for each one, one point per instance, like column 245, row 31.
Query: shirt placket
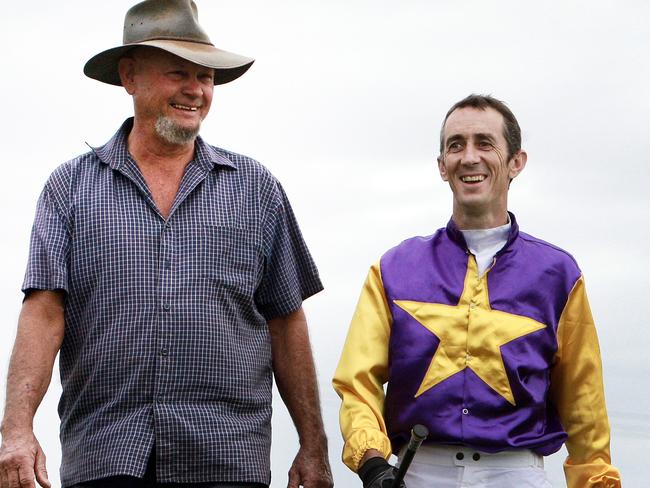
column 166, row 311
column 476, row 285
column 169, row 310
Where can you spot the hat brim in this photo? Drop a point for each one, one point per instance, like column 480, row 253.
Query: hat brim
column 227, row 66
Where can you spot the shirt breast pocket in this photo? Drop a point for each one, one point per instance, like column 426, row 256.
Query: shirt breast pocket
column 231, row 257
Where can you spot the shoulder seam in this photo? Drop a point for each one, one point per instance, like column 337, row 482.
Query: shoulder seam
column 535, row 240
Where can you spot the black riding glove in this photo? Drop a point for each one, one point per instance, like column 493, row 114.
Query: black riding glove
column 377, row 473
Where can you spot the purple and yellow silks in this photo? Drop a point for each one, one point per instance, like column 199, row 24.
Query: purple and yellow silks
column 509, row 360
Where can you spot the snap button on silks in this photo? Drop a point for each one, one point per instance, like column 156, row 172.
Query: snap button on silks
column 460, row 456
column 476, row 456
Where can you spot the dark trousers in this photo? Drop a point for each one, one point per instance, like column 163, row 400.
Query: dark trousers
column 149, row 481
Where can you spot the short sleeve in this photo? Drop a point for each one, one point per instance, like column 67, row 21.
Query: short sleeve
column 290, row 274
column 47, row 267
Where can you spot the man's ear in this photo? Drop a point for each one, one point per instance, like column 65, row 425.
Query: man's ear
column 517, row 164
column 126, row 70
column 442, row 168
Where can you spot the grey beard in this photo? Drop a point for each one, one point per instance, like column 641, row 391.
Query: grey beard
column 175, row 134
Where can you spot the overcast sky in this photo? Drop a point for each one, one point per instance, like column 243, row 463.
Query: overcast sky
column 344, row 105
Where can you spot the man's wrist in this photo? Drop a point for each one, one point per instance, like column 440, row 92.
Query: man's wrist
column 11, row 426
column 369, row 454
column 316, row 442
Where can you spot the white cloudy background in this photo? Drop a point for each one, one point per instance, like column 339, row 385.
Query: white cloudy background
column 344, row 105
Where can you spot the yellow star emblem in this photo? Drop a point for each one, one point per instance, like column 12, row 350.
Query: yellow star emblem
column 471, row 335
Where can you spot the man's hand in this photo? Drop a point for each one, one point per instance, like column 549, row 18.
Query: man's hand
column 310, row 469
column 377, row 473
column 22, row 459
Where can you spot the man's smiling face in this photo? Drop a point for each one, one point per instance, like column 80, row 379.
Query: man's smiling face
column 475, row 162
column 171, row 95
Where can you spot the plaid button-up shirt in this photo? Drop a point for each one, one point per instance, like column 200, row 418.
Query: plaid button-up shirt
column 166, row 339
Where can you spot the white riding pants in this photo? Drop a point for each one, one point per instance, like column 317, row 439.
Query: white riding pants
column 462, row 467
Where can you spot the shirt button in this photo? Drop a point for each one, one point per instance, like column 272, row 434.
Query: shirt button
column 472, row 305
column 164, row 351
column 469, row 357
column 168, row 263
column 465, row 411
column 166, row 307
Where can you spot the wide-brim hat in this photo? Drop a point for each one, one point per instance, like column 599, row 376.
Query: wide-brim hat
column 173, row 26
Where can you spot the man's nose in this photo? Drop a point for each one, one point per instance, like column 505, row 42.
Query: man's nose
column 471, row 155
column 192, row 87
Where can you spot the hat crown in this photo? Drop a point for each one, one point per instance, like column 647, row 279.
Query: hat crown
column 164, row 19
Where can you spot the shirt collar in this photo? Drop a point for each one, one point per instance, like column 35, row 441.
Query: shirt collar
column 115, row 152
column 456, row 235
column 478, row 240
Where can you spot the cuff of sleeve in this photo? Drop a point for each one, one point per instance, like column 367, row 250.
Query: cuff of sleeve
column 290, row 304
column 362, row 440
column 592, row 475
column 56, row 283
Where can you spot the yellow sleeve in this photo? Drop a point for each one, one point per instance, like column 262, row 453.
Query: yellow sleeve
column 577, row 392
column 362, row 372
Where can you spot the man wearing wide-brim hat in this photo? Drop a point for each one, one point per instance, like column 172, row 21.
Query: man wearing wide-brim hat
column 170, row 274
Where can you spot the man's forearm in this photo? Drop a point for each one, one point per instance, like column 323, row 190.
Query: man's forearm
column 295, row 376
column 39, row 337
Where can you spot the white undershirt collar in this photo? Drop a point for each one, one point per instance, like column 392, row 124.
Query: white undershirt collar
column 485, row 243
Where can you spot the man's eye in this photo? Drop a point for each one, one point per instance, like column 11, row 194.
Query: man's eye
column 485, row 144
column 455, row 147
